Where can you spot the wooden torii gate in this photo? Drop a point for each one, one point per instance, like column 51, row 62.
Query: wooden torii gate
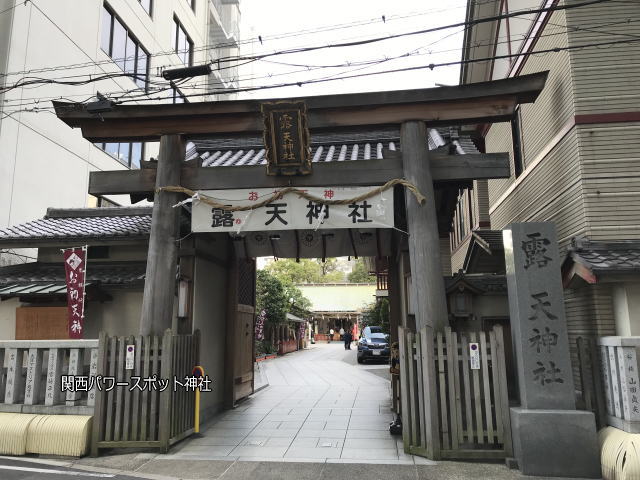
column 412, row 110
column 437, row 174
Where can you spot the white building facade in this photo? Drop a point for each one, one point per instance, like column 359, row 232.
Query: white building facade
column 57, row 50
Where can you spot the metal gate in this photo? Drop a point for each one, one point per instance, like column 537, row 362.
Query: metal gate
column 142, row 409
column 452, row 408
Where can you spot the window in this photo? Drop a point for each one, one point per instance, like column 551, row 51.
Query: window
column 123, row 48
column 127, row 153
column 516, row 138
column 147, row 5
column 183, row 46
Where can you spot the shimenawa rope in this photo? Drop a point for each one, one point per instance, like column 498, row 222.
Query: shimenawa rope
column 301, row 193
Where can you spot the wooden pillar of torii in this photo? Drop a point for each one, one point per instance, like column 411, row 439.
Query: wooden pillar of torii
column 413, row 110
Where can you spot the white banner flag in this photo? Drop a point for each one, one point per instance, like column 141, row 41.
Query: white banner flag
column 293, row 212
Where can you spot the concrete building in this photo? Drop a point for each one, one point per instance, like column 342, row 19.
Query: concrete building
column 573, row 159
column 44, row 163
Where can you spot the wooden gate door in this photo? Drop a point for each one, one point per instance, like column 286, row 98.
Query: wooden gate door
column 454, row 406
column 244, row 357
column 240, row 331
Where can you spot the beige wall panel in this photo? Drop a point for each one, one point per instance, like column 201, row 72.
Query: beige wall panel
column 120, row 316
column 541, row 120
column 457, row 256
column 445, row 256
column 605, row 79
column 550, row 192
column 209, row 316
column 610, row 158
column 589, row 313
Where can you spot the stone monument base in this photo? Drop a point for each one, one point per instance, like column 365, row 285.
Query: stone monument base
column 556, row 443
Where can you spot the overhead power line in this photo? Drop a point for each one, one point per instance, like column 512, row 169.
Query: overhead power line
column 251, row 58
column 414, row 68
column 135, row 97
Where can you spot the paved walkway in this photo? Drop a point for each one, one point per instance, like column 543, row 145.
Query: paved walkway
column 324, row 417
column 320, row 406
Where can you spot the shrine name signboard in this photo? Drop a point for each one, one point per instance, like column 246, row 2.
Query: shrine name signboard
column 286, row 138
column 293, row 212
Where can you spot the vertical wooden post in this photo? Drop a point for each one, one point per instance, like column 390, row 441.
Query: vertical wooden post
column 231, row 332
column 159, row 286
column 393, row 287
column 164, row 419
column 422, row 222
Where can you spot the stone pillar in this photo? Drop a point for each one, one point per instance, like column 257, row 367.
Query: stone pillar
column 422, row 221
column 550, row 437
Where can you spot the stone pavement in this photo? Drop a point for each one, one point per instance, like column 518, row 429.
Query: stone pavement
column 323, row 417
column 320, row 406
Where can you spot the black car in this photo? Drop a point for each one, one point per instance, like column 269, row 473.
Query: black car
column 373, row 345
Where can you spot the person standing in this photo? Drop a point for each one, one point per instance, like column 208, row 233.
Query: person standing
column 330, row 335
column 341, row 333
column 348, row 338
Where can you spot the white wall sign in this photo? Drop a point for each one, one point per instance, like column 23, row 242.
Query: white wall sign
column 474, row 356
column 129, row 357
column 293, row 212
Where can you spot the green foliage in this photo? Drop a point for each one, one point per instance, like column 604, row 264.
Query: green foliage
column 265, row 347
column 360, row 273
column 300, row 304
column 278, row 297
column 271, row 297
column 306, row 271
column 377, row 314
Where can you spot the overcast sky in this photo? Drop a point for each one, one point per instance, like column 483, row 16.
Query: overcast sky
column 348, row 20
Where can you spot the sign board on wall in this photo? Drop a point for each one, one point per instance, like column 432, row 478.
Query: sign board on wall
column 474, row 356
column 293, row 212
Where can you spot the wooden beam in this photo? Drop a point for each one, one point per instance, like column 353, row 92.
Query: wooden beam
column 464, row 104
column 448, row 170
column 160, row 279
column 422, row 222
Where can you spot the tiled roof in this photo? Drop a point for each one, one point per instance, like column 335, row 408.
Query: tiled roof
column 82, row 224
column 325, row 147
column 43, row 278
column 607, row 257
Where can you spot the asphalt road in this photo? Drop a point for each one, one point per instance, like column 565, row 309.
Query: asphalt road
column 24, row 470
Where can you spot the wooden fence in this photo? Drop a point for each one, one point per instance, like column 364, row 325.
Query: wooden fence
column 592, row 390
column 32, row 373
column 453, row 408
column 145, row 407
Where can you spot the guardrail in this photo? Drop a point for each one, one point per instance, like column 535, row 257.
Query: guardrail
column 48, row 376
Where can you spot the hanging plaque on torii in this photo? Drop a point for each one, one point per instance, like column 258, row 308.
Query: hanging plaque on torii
column 286, row 138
